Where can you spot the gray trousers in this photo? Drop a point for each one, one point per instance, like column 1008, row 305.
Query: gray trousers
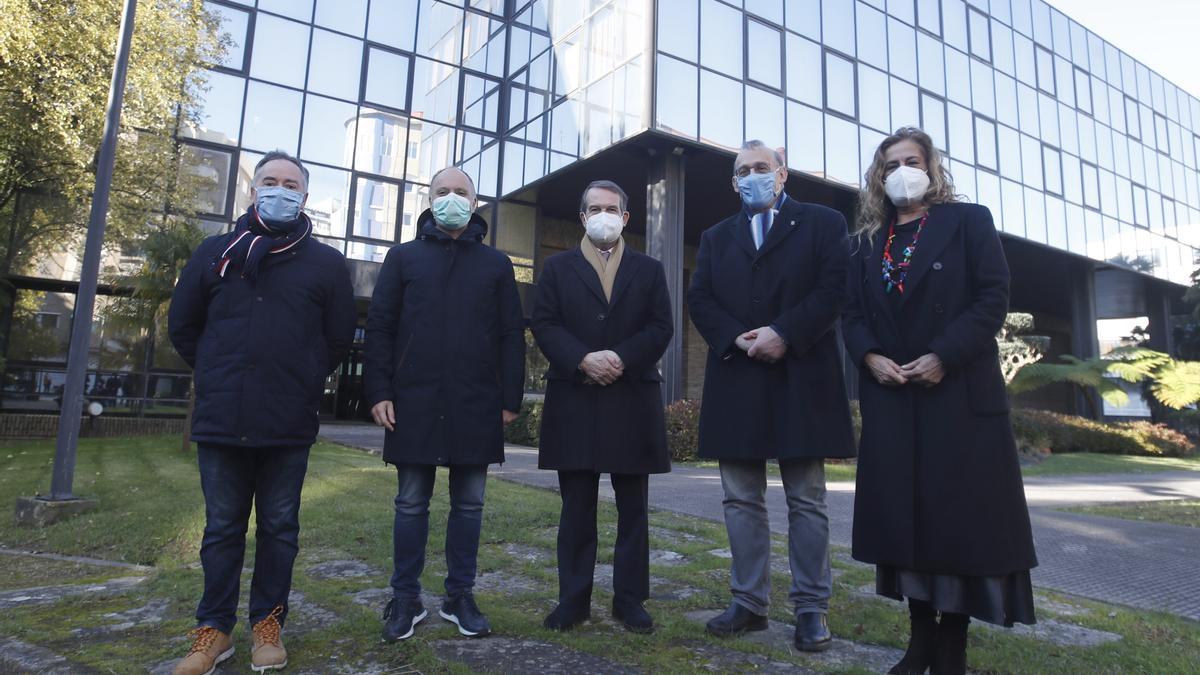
column 745, row 484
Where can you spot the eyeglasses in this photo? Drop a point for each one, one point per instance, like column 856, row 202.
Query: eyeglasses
column 760, row 167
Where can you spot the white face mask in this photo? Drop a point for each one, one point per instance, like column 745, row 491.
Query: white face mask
column 906, row 186
column 604, row 227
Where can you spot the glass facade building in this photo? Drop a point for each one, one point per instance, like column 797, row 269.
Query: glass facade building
column 1087, row 159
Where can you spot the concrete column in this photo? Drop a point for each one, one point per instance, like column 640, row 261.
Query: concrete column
column 664, row 241
column 1158, row 311
column 1084, row 344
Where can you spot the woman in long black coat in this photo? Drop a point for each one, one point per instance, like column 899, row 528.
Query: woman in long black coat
column 939, row 506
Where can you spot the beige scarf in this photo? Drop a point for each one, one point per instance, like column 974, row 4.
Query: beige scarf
column 607, row 271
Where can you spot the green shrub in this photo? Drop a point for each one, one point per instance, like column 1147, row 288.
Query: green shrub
column 1068, row 433
column 683, row 429
column 527, row 428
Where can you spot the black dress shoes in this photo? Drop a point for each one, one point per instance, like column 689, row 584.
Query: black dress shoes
column 565, row 618
column 634, row 617
column 734, row 621
column 812, row 632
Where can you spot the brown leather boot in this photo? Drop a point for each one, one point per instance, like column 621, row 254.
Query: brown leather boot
column 268, row 652
column 209, row 648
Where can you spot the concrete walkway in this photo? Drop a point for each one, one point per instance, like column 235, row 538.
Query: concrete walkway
column 1145, row 565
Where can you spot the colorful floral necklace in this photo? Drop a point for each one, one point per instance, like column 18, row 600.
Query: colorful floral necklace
column 894, row 274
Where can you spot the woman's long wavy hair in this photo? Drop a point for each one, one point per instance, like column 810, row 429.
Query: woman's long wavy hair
column 874, row 208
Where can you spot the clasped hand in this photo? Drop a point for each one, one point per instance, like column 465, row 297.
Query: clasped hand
column 602, row 367
column 926, row 370
column 762, row 344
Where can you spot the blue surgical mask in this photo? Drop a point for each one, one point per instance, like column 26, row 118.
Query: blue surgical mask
column 452, row 211
column 757, row 190
column 277, row 205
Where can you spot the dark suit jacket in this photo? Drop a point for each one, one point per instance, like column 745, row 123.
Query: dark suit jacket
column 797, row 407
column 939, row 486
column 617, row 428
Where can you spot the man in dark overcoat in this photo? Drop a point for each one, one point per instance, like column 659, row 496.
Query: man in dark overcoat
column 603, row 320
column 768, row 287
column 444, row 372
column 262, row 314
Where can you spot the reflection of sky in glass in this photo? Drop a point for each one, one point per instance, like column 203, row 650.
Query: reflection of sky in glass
column 347, row 16
column 393, row 22
column 328, row 131
column 335, row 64
column 280, row 50
column 272, row 118
column 220, row 108
column 764, row 57
column 233, row 26
column 677, row 96
column 328, row 192
column 297, row 9
column 805, row 149
column 720, row 110
column 721, row 38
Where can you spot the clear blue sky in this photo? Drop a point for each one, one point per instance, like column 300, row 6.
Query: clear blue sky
column 1162, row 34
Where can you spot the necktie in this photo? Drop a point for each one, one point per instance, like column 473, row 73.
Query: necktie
column 606, row 254
column 760, row 225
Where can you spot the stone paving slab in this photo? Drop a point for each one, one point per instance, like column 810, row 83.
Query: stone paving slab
column 715, row 659
column 844, row 654
column 21, row 657
column 98, row 562
column 41, row 595
column 342, row 569
column 516, row 655
column 1059, row 633
column 153, row 612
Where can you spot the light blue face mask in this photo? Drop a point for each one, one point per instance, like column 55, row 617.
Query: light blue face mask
column 757, row 190
column 278, row 205
column 452, row 211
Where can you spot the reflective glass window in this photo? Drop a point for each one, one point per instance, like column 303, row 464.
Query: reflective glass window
column 841, row 160
column 933, row 119
column 677, row 35
column 771, row 10
column 1001, row 43
column 233, row 28
column 983, row 92
column 906, row 108
column 903, row 10
column 804, row 17
column 839, row 84
column 929, row 16
column 989, row 192
column 868, row 141
column 393, row 23
column 1010, row 152
column 1048, row 114
column 1072, row 179
column 245, row 176
column 962, row 133
column 985, row 143
column 347, row 16
column 980, row 32
column 1162, row 138
column 958, row 77
column 1056, row 223
column 764, row 58
column 1108, row 192
column 1099, row 100
column 439, row 33
column 1006, row 100
column 1140, row 206
column 481, row 103
column 872, row 36
column 1031, row 162
column 1041, row 23
column 383, row 143
column 1133, row 122
column 902, row 50
column 721, row 38
column 873, row 98
column 376, row 204
column 1061, row 32
column 1087, row 137
column 1068, row 129
column 1026, row 64
column 1045, row 70
column 1076, row 230
column 930, row 64
column 484, row 42
column 328, row 197
column 837, row 23
column 334, row 65
column 209, row 169
column 328, row 133
column 1035, row 215
column 720, row 110
column 1091, row 185
column 1022, row 18
column 387, row 79
column 677, row 99
column 272, row 119
column 804, row 82
column 280, row 50
column 805, row 139
column 220, row 116
column 954, row 24
column 1052, row 167
column 1027, row 108
column 764, row 116
column 296, row 9
column 434, row 91
column 1013, row 196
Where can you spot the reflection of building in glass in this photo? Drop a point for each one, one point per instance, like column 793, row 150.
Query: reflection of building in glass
column 1086, row 158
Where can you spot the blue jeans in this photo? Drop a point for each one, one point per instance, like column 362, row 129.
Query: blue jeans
column 411, row 529
column 233, row 479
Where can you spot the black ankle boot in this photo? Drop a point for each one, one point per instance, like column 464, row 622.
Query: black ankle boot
column 950, row 654
column 921, row 639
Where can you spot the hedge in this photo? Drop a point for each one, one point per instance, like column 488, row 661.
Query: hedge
column 1035, row 429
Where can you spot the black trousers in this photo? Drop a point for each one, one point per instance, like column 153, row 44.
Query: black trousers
column 577, row 538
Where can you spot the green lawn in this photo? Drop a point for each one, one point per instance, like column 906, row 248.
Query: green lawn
column 1183, row 512
column 151, row 513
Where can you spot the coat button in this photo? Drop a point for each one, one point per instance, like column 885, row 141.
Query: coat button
column 245, row 438
column 259, row 298
column 758, row 266
column 756, row 300
column 937, row 266
column 251, row 366
column 600, row 316
column 938, row 309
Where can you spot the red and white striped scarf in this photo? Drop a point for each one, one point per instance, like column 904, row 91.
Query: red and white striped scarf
column 252, row 240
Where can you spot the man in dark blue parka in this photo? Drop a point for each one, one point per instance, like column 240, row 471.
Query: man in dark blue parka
column 263, row 314
column 445, row 371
